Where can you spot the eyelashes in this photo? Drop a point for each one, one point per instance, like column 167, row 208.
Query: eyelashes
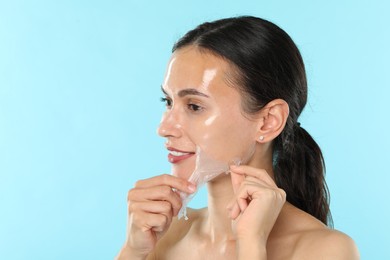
column 192, row 106
column 167, row 101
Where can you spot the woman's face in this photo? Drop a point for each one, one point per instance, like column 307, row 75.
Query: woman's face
column 203, row 112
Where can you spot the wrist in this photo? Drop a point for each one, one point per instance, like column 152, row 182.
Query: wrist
column 127, row 253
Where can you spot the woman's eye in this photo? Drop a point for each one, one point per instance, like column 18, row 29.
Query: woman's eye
column 167, row 101
column 194, row 107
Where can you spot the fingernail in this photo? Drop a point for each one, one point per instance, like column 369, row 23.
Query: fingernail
column 192, row 187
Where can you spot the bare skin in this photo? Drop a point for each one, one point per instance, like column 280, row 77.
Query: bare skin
column 295, row 235
column 247, row 215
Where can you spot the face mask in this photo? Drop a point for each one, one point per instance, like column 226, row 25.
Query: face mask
column 206, row 169
column 217, row 131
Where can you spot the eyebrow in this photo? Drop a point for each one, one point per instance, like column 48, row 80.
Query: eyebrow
column 187, row 91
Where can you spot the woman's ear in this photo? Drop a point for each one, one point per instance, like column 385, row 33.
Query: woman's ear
column 273, row 118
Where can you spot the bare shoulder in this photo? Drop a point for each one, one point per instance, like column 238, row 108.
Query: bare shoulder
column 305, row 237
column 317, row 241
column 325, row 243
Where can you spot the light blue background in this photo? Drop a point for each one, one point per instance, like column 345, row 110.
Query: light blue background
column 79, row 106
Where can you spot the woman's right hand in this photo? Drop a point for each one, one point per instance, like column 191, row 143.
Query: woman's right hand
column 152, row 204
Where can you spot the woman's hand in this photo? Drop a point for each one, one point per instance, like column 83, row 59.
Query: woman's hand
column 152, row 204
column 256, row 205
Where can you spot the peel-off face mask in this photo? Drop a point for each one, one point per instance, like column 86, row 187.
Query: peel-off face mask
column 204, row 122
column 206, row 169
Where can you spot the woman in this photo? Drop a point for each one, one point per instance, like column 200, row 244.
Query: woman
column 235, row 87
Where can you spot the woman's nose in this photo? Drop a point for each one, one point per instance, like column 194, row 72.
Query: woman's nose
column 169, row 125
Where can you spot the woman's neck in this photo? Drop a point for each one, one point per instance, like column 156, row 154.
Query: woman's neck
column 218, row 222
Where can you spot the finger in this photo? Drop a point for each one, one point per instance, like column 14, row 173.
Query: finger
column 170, row 180
column 253, row 191
column 150, row 221
column 240, row 201
column 157, row 193
column 254, row 172
column 234, row 210
column 155, row 207
column 257, row 181
column 236, row 179
column 244, row 195
column 237, row 206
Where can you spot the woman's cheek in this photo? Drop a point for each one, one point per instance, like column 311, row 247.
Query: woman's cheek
column 213, row 140
column 226, row 139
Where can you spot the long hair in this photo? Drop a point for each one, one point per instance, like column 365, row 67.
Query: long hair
column 269, row 66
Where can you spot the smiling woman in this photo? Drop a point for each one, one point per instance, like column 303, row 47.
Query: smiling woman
column 234, row 88
column 200, row 111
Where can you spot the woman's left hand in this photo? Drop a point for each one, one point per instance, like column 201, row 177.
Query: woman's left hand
column 256, row 205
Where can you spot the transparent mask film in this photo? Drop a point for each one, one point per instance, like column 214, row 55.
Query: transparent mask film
column 206, row 169
column 220, row 137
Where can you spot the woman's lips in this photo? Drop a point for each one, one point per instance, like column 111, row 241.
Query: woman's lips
column 175, row 156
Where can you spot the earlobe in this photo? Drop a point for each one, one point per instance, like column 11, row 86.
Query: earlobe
column 273, row 120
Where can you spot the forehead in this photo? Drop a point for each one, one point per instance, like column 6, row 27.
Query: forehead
column 191, row 67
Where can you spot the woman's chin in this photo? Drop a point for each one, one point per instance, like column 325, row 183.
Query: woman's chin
column 183, row 170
